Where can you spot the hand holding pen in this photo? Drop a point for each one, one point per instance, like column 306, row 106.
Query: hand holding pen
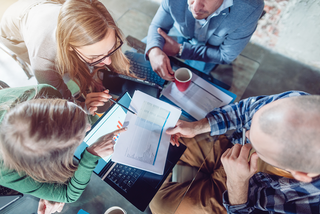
column 96, row 99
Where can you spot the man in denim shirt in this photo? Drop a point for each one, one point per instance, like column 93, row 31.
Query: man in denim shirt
column 213, row 31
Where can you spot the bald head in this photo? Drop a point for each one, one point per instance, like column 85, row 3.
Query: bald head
column 286, row 133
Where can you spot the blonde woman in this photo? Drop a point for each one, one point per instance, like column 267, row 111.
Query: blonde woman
column 38, row 138
column 64, row 40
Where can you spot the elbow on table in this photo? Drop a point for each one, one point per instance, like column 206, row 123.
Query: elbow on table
column 227, row 59
column 70, row 200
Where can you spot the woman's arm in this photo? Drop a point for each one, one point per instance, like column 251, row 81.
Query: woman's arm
column 65, row 193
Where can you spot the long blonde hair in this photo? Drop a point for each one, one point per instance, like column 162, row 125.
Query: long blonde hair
column 38, row 138
column 81, row 23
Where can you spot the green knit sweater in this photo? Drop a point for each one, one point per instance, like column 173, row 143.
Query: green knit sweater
column 66, row 193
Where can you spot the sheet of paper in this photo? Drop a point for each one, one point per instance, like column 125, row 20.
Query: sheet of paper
column 199, row 99
column 145, row 144
column 108, row 124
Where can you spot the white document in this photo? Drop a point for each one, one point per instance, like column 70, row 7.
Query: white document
column 199, row 99
column 108, row 124
column 145, row 144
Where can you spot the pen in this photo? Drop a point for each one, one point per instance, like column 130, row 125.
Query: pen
column 122, row 106
column 243, row 136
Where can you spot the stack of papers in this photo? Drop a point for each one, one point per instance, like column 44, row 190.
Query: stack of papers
column 145, row 144
column 199, row 99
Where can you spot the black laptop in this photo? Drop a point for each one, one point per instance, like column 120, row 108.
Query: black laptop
column 137, row 186
column 7, row 198
column 148, row 81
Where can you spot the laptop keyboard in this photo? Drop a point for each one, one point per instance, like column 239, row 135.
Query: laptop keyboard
column 124, row 176
column 143, row 69
column 147, row 73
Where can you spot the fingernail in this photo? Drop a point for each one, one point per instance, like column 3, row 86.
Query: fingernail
column 126, row 128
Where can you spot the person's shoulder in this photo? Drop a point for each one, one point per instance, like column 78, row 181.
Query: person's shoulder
column 175, row 3
column 47, row 91
column 291, row 94
column 249, row 4
column 29, row 92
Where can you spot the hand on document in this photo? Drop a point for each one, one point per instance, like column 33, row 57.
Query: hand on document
column 188, row 130
column 103, row 147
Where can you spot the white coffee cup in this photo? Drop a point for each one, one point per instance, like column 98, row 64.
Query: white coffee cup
column 115, row 210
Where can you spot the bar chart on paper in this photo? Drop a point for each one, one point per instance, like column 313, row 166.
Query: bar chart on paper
column 110, row 122
column 145, row 144
column 148, row 130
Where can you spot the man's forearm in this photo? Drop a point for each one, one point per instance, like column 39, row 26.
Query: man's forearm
column 202, row 126
column 237, row 193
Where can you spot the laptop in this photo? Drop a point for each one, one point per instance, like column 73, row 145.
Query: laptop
column 8, row 197
column 140, row 46
column 137, row 186
column 148, row 81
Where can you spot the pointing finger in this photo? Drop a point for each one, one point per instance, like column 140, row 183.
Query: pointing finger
column 120, row 130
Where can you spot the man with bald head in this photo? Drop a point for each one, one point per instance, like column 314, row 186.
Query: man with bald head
column 210, row 32
column 275, row 171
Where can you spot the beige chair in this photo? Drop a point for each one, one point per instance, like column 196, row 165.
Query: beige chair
column 21, row 63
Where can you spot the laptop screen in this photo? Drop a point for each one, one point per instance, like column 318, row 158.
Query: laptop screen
column 110, row 121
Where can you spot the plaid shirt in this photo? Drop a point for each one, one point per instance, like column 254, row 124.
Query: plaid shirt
column 267, row 193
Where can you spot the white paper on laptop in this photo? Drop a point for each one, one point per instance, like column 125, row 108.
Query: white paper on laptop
column 199, row 99
column 145, row 144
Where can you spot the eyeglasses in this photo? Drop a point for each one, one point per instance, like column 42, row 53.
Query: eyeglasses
column 104, row 57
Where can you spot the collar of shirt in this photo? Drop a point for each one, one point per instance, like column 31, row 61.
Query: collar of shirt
column 225, row 4
column 201, row 26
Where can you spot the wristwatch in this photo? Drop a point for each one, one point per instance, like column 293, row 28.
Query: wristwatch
column 180, row 50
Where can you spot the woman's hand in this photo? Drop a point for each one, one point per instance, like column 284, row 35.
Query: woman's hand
column 96, row 99
column 103, row 147
column 48, row 207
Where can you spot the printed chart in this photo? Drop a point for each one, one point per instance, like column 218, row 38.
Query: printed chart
column 108, row 124
column 148, row 130
column 145, row 144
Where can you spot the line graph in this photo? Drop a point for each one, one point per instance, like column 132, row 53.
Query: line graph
column 149, row 124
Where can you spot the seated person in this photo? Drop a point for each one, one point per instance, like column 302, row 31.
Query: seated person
column 39, row 134
column 64, row 40
column 214, row 32
column 280, row 176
